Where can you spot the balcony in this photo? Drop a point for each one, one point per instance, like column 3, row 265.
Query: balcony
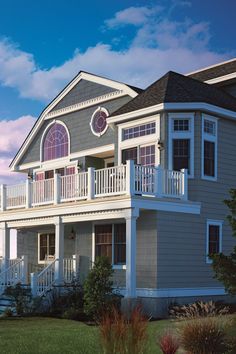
column 121, row 180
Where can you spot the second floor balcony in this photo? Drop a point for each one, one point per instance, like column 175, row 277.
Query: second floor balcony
column 129, row 179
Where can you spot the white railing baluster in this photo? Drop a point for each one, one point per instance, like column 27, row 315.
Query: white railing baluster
column 14, row 274
column 110, row 181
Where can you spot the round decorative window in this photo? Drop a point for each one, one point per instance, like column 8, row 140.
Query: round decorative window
column 98, row 122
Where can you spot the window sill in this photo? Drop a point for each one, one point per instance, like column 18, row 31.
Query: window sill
column 208, row 178
column 119, row 266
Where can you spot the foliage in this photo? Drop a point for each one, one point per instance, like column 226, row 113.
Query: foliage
column 225, row 266
column 205, row 336
column 67, row 304
column 198, row 309
column 98, row 288
column 122, row 336
column 7, row 313
column 21, row 296
column 168, row 342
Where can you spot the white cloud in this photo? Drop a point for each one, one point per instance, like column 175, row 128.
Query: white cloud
column 159, row 45
column 13, row 133
column 133, row 16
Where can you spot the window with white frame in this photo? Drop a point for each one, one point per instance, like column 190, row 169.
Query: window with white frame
column 110, row 241
column 46, row 246
column 209, row 147
column 138, row 142
column 181, row 142
column 213, row 238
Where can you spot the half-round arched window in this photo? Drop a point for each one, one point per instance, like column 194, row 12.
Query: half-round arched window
column 56, row 142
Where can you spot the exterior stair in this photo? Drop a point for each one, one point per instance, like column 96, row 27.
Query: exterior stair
column 7, row 302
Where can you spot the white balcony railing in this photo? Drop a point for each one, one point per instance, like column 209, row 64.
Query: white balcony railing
column 126, row 179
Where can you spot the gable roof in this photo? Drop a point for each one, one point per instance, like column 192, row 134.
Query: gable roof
column 177, row 88
column 82, row 75
column 215, row 71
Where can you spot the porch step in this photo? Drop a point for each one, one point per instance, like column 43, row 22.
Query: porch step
column 7, row 302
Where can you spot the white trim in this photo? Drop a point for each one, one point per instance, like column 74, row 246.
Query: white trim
column 221, row 78
column 93, row 151
column 173, row 106
column 211, row 66
column 44, row 134
column 216, row 223
column 176, row 292
column 92, row 118
column 181, row 135
column 151, row 139
column 106, row 222
column 81, row 76
column 85, row 104
column 213, row 139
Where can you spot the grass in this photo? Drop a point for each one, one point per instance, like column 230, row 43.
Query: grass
column 49, row 335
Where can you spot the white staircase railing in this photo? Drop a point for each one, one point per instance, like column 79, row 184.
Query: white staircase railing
column 15, row 273
column 43, row 281
column 69, row 270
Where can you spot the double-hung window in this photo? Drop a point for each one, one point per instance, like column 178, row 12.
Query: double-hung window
column 46, row 246
column 209, row 148
column 110, row 241
column 181, row 142
column 213, row 238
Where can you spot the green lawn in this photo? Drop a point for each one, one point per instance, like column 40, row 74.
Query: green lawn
column 49, row 335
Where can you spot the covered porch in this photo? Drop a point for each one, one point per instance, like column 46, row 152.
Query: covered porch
column 55, row 251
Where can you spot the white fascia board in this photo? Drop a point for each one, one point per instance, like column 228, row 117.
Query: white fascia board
column 169, row 205
column 211, row 66
column 173, row 107
column 221, row 78
column 79, row 77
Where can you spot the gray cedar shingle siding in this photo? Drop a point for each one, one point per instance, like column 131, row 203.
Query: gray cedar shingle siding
column 83, row 91
column 80, row 133
column 177, row 88
column 216, row 71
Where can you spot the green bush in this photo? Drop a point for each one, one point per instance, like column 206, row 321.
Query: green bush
column 205, row 336
column 98, row 288
column 22, row 298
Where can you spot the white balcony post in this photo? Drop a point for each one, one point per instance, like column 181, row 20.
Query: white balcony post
column 74, row 266
column 28, row 200
column 5, row 231
column 159, row 181
column 24, row 269
column 57, row 188
column 59, row 250
column 3, row 193
column 185, row 183
column 130, row 177
column 33, row 284
column 91, row 183
column 131, row 256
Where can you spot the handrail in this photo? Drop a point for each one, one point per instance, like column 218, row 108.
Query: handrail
column 12, row 275
column 43, row 281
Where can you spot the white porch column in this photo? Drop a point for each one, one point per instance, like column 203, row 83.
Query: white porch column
column 59, row 250
column 3, row 197
column 185, row 183
column 91, row 183
column 5, row 234
column 131, row 256
column 130, row 178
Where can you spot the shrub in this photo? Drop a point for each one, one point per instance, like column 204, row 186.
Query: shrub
column 98, row 288
column 168, row 343
column 7, row 313
column 122, row 336
column 204, row 336
column 198, row 309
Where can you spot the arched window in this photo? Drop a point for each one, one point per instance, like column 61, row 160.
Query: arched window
column 56, row 142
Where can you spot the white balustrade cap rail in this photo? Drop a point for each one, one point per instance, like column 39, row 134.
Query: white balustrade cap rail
column 127, row 179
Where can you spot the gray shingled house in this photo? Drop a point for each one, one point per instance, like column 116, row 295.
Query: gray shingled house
column 136, row 175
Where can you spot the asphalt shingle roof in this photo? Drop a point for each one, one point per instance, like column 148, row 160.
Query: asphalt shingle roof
column 177, row 88
column 216, row 71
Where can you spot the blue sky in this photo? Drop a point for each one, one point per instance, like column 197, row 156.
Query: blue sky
column 43, row 44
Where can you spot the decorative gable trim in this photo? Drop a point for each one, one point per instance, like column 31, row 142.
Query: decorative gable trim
column 85, row 104
column 126, row 90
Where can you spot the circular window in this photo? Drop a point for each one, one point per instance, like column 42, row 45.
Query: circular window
column 99, row 121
